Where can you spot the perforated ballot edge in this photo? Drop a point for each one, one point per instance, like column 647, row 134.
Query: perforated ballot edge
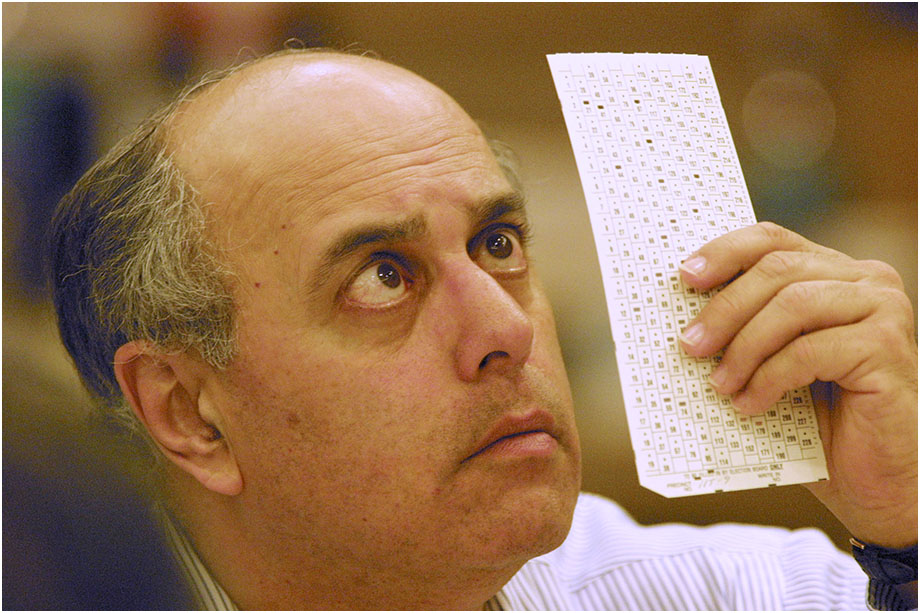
column 661, row 177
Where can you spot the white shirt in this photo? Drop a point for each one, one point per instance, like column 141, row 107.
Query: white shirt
column 610, row 562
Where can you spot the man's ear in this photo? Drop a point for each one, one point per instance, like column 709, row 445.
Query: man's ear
column 166, row 393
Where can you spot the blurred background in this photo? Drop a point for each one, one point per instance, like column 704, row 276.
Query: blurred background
column 821, row 99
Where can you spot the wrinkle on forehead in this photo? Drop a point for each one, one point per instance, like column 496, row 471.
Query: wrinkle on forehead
column 377, row 176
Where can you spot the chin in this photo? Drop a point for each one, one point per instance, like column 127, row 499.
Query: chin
column 532, row 526
column 551, row 527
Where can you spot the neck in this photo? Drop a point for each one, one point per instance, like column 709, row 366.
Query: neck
column 261, row 574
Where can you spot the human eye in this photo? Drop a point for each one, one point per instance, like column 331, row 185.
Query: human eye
column 382, row 283
column 500, row 250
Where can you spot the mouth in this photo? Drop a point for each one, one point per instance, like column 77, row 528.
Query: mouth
column 530, row 435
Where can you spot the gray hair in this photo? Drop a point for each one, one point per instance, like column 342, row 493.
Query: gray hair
column 130, row 259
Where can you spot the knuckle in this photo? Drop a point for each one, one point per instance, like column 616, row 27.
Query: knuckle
column 896, row 325
column 793, row 298
column 887, row 334
column 804, row 351
column 896, row 307
column 777, row 264
column 772, row 232
column 898, row 301
column 884, row 272
column 727, row 304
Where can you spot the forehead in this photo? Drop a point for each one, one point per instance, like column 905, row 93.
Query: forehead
column 308, row 135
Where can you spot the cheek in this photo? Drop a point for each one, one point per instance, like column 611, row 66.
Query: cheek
column 353, row 416
column 547, row 352
column 337, row 458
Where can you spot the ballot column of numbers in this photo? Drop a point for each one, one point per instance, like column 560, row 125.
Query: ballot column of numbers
column 662, row 179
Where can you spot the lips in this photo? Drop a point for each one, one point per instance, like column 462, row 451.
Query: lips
column 527, row 434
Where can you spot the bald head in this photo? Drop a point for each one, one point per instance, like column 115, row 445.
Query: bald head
column 322, row 103
column 339, row 88
column 289, row 132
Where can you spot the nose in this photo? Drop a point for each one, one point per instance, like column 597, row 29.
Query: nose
column 495, row 332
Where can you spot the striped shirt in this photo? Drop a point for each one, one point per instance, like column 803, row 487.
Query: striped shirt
column 609, row 562
column 208, row 594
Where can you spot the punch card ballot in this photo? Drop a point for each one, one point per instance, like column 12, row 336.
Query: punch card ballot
column 661, row 178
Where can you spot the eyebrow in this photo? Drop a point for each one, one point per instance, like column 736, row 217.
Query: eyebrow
column 371, row 234
column 492, row 209
column 414, row 228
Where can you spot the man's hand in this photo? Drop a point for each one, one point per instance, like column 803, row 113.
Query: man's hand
column 800, row 314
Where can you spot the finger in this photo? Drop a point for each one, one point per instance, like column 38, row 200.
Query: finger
column 859, row 357
column 723, row 258
column 795, row 310
column 798, row 364
column 737, row 303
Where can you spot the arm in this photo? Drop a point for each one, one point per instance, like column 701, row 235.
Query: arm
column 798, row 314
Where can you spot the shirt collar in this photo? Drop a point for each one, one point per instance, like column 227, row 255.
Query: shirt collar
column 208, row 593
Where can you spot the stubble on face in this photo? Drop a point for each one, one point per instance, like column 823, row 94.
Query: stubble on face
column 353, row 429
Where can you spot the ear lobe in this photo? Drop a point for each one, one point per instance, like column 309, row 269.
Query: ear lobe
column 165, row 393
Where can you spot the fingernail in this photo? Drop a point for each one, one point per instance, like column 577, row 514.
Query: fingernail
column 693, row 334
column 740, row 402
column 695, row 265
column 718, row 377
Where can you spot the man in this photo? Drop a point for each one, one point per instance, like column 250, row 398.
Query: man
column 309, row 281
